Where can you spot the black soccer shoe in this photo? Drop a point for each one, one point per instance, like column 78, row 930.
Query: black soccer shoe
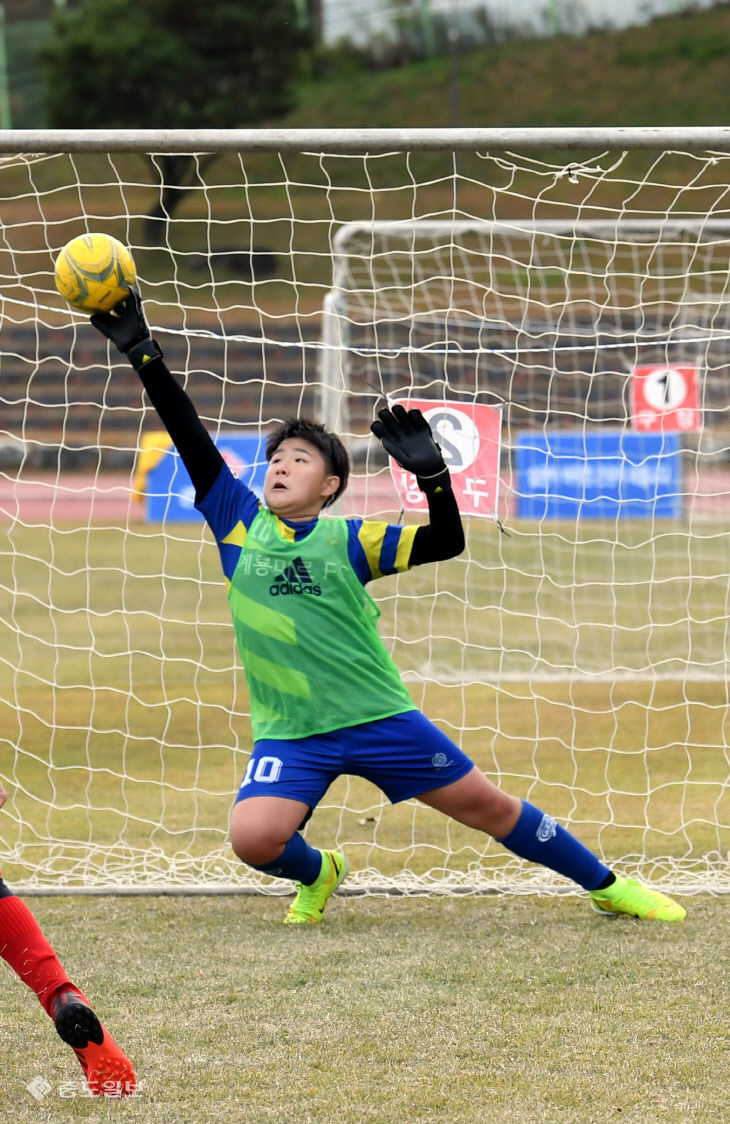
column 75, row 1021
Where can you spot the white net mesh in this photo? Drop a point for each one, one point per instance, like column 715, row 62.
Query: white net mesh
column 581, row 659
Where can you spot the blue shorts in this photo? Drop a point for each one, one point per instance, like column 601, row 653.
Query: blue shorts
column 404, row 756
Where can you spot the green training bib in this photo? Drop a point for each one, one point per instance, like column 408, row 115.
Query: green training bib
column 307, row 633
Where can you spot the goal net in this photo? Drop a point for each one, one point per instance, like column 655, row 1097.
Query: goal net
column 578, row 650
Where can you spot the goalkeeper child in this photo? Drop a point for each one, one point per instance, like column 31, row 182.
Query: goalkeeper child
column 107, row 1069
column 326, row 698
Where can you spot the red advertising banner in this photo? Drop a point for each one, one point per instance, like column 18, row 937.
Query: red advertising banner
column 469, row 436
column 665, row 399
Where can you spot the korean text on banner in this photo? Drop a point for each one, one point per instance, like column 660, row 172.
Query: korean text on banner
column 469, row 436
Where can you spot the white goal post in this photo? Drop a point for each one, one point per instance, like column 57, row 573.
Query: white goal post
column 578, row 650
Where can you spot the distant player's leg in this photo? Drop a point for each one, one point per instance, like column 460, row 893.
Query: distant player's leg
column 23, row 946
column 531, row 834
column 264, row 834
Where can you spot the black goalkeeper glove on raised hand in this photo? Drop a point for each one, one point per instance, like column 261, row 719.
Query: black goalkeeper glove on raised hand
column 128, row 330
column 407, row 436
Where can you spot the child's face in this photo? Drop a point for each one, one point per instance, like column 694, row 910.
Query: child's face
column 297, row 480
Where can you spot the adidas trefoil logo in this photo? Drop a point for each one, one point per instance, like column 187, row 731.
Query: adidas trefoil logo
column 294, row 579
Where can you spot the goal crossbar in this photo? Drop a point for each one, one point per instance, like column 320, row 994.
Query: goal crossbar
column 690, row 138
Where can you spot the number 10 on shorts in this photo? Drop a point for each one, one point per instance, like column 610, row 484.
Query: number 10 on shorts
column 265, row 770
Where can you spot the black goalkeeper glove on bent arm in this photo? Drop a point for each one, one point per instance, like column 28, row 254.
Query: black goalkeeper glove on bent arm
column 128, row 330
column 407, row 436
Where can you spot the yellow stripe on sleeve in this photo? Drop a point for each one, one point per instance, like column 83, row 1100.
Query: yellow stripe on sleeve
column 387, row 547
column 405, row 546
column 370, row 537
column 237, row 536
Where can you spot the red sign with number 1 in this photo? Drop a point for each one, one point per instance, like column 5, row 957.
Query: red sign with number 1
column 469, row 436
column 665, row 399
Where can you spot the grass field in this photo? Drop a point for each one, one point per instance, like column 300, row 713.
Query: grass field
column 482, row 1010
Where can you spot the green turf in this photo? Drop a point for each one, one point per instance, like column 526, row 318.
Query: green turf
column 471, row 1011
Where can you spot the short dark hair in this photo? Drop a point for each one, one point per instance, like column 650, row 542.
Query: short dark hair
column 329, row 445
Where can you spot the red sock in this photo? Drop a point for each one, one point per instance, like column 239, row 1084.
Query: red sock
column 29, row 954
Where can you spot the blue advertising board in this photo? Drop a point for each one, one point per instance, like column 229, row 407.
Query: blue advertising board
column 598, row 474
column 169, row 495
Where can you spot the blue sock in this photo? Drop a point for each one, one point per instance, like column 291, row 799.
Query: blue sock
column 539, row 839
column 298, row 861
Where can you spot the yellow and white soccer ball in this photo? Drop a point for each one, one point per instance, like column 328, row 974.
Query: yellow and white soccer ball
column 94, row 272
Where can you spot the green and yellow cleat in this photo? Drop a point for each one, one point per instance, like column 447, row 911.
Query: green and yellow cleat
column 626, row 895
column 308, row 906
